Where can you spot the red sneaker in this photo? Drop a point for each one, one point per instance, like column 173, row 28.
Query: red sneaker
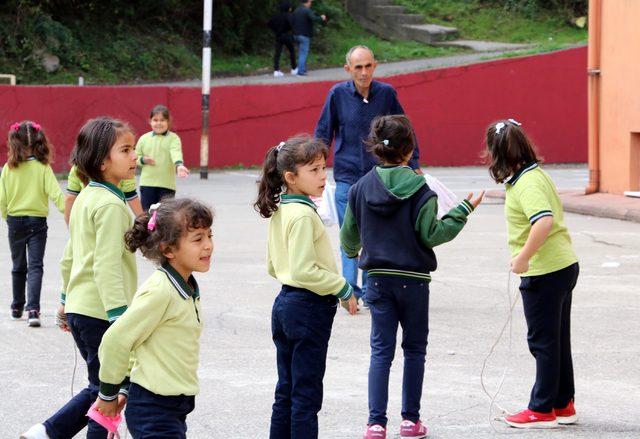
column 375, row 431
column 413, row 430
column 530, row 419
column 566, row 415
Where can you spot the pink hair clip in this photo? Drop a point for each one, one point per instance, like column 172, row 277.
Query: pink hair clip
column 151, row 225
column 152, row 222
column 15, row 126
column 36, row 126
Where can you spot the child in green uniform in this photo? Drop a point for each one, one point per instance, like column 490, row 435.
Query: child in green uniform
column 160, row 158
column 163, row 325
column 544, row 258
column 77, row 182
column 301, row 258
column 99, row 274
column 26, row 185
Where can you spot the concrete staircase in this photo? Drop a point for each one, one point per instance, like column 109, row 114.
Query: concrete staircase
column 390, row 21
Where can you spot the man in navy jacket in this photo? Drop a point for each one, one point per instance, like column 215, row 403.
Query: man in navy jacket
column 345, row 120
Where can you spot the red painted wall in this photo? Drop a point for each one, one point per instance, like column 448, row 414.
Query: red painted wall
column 450, row 109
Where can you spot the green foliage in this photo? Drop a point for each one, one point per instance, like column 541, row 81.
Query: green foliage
column 150, row 40
column 545, row 22
column 103, row 41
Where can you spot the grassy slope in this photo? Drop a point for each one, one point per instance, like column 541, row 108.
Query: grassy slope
column 137, row 57
column 477, row 21
column 329, row 46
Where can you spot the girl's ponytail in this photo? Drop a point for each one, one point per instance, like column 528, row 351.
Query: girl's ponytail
column 160, row 229
column 138, row 235
column 270, row 186
column 39, row 144
column 391, row 138
column 27, row 138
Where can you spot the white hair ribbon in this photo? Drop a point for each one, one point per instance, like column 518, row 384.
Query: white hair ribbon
column 499, row 127
column 386, row 142
column 515, row 122
column 280, row 146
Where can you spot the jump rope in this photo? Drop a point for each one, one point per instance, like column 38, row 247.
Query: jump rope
column 110, row 424
column 508, row 324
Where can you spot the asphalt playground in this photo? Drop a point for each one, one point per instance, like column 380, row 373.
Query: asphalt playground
column 469, row 304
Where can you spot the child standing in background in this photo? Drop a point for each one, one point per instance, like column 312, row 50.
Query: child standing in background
column 163, row 325
column 26, row 185
column 300, row 257
column 392, row 216
column 99, row 274
column 160, row 158
column 543, row 256
column 77, row 182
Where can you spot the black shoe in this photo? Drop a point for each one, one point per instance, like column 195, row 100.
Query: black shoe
column 34, row 318
column 16, row 314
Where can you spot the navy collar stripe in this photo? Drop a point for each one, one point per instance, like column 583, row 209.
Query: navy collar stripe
column 183, row 288
column 521, row 172
column 108, row 186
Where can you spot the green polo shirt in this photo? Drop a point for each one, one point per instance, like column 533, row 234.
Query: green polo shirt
column 75, row 185
column 99, row 274
column 162, row 330
column 166, row 150
column 26, row 189
column 531, row 195
column 300, row 253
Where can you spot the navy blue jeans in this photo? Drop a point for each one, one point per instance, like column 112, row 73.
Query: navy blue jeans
column 301, row 324
column 393, row 301
column 151, row 416
column 72, row 417
column 547, row 309
column 303, row 52
column 27, row 241
column 152, row 194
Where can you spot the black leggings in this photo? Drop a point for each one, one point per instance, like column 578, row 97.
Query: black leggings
column 547, row 308
column 284, row 40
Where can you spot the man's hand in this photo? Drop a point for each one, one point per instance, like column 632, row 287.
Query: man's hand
column 148, row 160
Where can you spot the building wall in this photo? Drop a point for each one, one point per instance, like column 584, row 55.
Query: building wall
column 449, row 107
column 620, row 96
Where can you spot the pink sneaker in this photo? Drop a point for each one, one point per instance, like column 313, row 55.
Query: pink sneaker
column 413, row 430
column 375, row 431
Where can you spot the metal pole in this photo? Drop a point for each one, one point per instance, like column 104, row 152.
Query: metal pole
column 206, row 86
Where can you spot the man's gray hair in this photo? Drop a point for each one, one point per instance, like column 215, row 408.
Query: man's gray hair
column 354, row 48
